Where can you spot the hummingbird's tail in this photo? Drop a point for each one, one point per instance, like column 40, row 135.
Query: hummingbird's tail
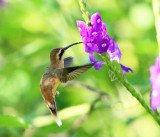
column 53, row 109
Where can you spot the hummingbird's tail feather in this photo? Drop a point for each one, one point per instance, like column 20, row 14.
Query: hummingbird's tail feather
column 53, row 110
column 58, row 121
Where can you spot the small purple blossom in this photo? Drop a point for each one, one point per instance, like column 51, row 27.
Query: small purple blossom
column 155, row 82
column 125, row 69
column 98, row 65
column 114, row 51
column 92, row 58
column 96, row 39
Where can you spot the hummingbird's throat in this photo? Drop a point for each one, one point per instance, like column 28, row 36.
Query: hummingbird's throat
column 61, row 54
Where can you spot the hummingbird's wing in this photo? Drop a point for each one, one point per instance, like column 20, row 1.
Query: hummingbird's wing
column 70, row 73
column 68, row 62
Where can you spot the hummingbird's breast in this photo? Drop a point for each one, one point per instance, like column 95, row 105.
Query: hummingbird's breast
column 48, row 85
column 49, row 82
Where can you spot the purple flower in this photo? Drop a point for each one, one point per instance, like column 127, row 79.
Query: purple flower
column 96, row 39
column 155, row 82
column 98, row 65
column 125, row 69
column 1, row 2
column 114, row 51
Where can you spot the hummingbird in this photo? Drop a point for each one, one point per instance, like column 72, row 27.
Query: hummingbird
column 59, row 71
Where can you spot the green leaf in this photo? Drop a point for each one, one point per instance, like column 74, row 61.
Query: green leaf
column 10, row 121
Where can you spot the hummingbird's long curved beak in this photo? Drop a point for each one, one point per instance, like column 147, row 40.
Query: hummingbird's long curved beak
column 71, row 45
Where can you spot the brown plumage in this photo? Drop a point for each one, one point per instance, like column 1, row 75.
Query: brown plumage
column 59, row 71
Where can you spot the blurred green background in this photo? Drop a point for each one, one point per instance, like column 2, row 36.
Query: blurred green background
column 30, row 29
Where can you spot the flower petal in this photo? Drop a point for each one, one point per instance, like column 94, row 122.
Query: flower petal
column 96, row 21
column 155, row 99
column 125, row 69
column 82, row 28
column 114, row 51
column 155, row 82
column 98, row 65
column 92, row 58
column 91, row 47
column 103, row 46
column 104, row 31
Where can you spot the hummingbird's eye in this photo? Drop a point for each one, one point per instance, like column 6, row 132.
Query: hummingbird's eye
column 61, row 53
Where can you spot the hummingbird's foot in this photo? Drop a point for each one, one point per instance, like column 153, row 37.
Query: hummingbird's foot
column 57, row 92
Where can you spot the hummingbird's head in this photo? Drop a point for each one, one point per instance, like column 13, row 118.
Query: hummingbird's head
column 57, row 56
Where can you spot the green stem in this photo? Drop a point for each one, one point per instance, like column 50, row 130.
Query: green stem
column 129, row 87
column 85, row 13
